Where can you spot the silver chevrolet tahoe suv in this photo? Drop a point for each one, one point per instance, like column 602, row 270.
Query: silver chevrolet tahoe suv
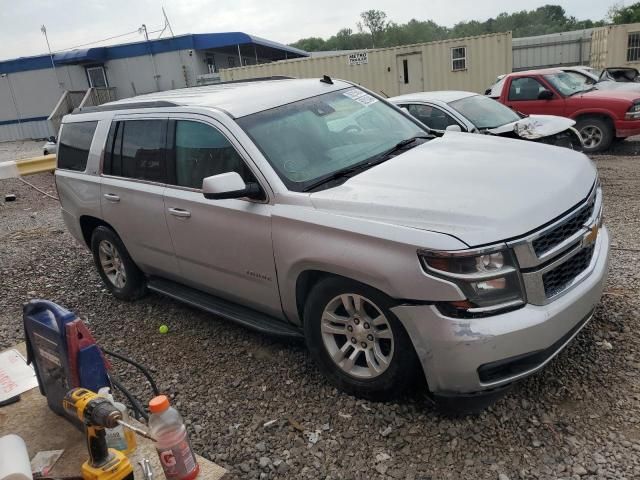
column 314, row 208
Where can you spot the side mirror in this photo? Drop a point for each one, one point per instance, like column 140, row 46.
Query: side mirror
column 229, row 185
column 453, row 128
column 545, row 95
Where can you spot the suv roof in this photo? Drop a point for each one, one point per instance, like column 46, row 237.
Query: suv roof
column 237, row 98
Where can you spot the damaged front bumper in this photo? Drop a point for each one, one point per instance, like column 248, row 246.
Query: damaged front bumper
column 471, row 356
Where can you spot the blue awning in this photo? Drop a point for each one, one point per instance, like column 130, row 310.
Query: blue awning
column 197, row 41
column 86, row 55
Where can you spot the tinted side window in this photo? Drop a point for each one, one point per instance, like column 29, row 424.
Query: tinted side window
column 525, row 88
column 202, row 151
column 432, row 117
column 136, row 149
column 75, row 142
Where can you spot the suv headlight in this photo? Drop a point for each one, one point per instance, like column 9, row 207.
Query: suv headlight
column 489, row 278
column 634, row 112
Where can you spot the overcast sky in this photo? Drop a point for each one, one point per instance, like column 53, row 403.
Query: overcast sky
column 70, row 23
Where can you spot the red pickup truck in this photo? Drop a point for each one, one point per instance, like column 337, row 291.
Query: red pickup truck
column 601, row 116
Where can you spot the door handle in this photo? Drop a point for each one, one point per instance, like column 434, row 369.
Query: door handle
column 179, row 212
column 112, row 197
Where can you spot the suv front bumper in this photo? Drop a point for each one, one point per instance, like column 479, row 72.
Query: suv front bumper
column 462, row 356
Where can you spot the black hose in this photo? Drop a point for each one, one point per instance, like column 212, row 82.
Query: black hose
column 136, row 407
column 145, row 372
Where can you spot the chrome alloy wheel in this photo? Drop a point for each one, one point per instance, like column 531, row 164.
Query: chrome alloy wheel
column 357, row 336
column 591, row 136
column 111, row 264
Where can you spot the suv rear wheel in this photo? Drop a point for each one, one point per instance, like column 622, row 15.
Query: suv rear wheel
column 119, row 273
column 357, row 341
column 597, row 134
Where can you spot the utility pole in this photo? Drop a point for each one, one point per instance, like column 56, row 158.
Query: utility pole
column 43, row 29
column 156, row 75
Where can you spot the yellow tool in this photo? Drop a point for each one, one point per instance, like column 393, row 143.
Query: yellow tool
column 98, row 413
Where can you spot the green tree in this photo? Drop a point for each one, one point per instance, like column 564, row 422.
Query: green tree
column 376, row 22
column 618, row 13
column 524, row 23
column 311, row 44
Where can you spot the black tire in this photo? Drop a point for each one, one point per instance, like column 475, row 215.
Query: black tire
column 404, row 369
column 588, row 125
column 135, row 285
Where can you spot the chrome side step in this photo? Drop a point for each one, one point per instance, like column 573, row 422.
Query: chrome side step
column 232, row 311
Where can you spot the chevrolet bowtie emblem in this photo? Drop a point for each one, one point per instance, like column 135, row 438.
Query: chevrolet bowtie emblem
column 590, row 237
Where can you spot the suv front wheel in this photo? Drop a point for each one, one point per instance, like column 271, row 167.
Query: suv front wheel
column 118, row 271
column 357, row 341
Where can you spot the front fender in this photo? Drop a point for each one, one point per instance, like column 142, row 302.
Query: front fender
column 594, row 111
column 380, row 255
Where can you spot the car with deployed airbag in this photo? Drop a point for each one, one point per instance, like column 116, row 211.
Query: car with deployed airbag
column 315, row 209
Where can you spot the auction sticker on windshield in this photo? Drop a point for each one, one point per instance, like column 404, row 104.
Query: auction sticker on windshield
column 360, row 96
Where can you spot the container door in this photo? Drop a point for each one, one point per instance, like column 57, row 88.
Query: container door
column 410, row 74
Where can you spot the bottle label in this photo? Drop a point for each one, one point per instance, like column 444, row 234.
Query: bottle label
column 115, row 438
column 177, row 461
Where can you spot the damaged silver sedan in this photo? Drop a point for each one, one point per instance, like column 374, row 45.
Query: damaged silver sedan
column 469, row 112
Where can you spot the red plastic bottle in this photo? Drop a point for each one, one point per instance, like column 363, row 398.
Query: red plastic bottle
column 172, row 442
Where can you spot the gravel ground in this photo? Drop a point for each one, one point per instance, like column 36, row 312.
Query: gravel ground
column 260, row 408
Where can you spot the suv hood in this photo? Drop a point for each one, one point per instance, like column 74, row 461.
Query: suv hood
column 480, row 189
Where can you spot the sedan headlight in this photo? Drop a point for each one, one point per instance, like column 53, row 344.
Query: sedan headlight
column 489, row 278
column 634, row 112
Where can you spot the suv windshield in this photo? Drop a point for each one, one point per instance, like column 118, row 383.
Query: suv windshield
column 310, row 139
column 484, row 112
column 566, row 84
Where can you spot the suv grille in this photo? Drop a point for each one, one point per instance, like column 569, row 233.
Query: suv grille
column 563, row 231
column 556, row 280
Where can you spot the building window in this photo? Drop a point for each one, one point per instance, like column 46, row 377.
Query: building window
column 458, row 58
column 97, row 77
column 633, row 47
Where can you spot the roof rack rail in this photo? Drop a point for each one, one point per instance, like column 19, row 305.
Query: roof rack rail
column 125, row 106
column 165, row 103
column 248, row 80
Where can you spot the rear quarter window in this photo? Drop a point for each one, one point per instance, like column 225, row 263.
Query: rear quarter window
column 75, row 142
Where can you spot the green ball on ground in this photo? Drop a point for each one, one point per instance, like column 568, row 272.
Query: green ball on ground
column 163, row 329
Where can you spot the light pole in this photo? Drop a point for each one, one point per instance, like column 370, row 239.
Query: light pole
column 43, row 29
column 15, row 104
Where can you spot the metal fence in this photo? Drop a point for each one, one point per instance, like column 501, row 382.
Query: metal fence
column 554, row 50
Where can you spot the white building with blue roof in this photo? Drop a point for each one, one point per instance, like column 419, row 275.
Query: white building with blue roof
column 34, row 95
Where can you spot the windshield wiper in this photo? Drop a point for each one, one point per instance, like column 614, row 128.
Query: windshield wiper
column 360, row 167
column 344, row 173
column 396, row 148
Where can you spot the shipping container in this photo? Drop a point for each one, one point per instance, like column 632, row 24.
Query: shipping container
column 616, row 46
column 469, row 63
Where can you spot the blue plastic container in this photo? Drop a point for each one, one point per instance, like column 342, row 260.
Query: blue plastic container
column 45, row 331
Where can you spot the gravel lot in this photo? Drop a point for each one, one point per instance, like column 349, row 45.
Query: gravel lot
column 579, row 418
